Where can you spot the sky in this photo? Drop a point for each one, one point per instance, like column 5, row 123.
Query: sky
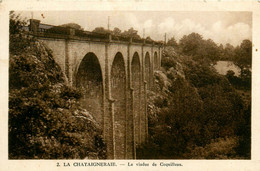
column 221, row 27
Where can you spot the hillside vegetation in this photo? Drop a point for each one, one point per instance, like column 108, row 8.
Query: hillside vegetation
column 45, row 119
column 195, row 113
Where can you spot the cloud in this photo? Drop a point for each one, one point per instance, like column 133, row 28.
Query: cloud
column 132, row 21
column 232, row 34
column 217, row 26
column 218, row 32
column 238, row 32
column 167, row 25
column 188, row 26
column 179, row 29
column 149, row 27
column 148, row 24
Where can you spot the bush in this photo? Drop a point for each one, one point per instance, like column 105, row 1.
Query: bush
column 243, row 82
column 168, row 62
column 220, row 148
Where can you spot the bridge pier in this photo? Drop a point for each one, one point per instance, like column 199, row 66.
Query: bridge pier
column 130, row 125
column 108, row 130
column 133, row 120
column 112, row 111
column 146, row 115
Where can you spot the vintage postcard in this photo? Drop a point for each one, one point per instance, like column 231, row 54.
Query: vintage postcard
column 130, row 85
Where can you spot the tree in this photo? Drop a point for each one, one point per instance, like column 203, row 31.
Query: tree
column 212, row 50
column 16, row 23
column 200, row 49
column 172, row 42
column 17, row 40
column 116, row 31
column 72, row 25
column 229, row 52
column 131, row 33
column 243, row 55
column 230, row 74
column 149, row 38
column 190, row 44
column 221, row 52
column 101, row 30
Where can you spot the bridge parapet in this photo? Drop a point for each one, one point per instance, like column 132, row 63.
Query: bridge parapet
column 50, row 31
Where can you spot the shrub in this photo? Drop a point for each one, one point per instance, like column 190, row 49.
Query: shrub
column 220, row 148
column 168, row 62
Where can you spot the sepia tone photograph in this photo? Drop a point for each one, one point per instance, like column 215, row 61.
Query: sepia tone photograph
column 130, row 85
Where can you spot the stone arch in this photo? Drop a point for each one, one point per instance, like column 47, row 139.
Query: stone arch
column 147, row 71
column 89, row 80
column 136, row 85
column 156, row 61
column 118, row 93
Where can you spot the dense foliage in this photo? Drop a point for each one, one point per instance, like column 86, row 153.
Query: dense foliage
column 45, row 120
column 72, row 25
column 172, row 42
column 117, row 32
column 200, row 49
column 195, row 112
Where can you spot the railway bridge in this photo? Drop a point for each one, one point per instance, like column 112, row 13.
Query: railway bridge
column 114, row 73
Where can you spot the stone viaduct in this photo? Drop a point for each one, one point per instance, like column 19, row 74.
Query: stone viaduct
column 114, row 73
